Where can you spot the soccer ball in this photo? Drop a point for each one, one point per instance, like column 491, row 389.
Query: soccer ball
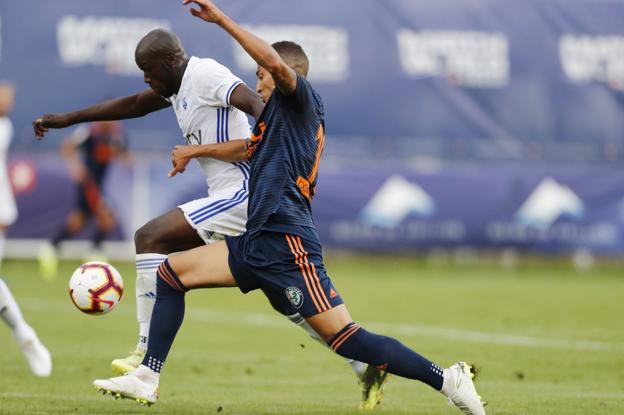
column 95, row 287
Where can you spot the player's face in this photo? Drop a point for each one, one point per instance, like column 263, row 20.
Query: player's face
column 159, row 75
column 265, row 84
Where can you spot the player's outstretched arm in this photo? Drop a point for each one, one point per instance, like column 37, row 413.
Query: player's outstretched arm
column 284, row 76
column 132, row 106
column 230, row 151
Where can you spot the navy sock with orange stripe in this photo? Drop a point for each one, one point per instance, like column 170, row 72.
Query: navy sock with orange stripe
column 167, row 316
column 386, row 353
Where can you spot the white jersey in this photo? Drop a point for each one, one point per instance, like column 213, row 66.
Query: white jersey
column 8, row 211
column 202, row 107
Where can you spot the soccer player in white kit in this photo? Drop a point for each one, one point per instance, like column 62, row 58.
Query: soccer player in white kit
column 210, row 105
column 37, row 355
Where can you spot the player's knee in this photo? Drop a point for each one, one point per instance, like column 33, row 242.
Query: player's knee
column 149, row 239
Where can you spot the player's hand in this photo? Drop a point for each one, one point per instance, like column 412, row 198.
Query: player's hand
column 180, row 157
column 43, row 124
column 207, row 10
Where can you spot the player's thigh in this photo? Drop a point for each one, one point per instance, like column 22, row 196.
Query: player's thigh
column 204, row 267
column 328, row 323
column 170, row 232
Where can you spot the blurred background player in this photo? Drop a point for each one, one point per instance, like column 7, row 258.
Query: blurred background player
column 210, row 104
column 37, row 355
column 88, row 153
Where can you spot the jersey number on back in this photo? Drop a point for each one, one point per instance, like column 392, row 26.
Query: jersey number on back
column 307, row 186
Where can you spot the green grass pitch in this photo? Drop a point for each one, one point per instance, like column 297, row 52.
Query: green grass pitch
column 549, row 340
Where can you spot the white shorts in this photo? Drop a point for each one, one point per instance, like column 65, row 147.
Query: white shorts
column 215, row 216
column 8, row 209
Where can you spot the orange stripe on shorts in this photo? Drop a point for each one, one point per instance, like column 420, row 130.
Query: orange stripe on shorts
column 317, row 281
column 305, row 276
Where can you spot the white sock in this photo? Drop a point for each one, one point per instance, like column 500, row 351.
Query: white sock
column 12, row 316
column 447, row 384
column 146, row 267
column 357, row 366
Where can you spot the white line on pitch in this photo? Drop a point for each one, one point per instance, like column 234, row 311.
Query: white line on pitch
column 412, row 330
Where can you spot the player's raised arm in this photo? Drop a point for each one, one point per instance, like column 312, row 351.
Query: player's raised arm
column 131, row 106
column 229, row 151
column 284, row 76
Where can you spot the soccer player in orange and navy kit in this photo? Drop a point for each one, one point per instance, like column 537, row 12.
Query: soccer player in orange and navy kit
column 280, row 253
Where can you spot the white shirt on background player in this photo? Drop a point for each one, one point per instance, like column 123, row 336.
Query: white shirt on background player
column 8, row 209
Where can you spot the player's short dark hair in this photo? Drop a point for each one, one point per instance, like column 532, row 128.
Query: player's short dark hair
column 293, row 55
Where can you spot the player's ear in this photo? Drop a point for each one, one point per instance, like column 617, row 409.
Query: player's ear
column 171, row 59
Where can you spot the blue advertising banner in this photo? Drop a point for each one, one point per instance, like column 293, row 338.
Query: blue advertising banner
column 472, row 79
column 554, row 209
column 386, row 209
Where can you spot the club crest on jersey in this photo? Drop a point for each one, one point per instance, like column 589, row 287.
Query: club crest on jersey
column 295, row 296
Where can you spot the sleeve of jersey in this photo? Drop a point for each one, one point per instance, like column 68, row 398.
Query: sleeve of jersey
column 214, row 83
column 302, row 96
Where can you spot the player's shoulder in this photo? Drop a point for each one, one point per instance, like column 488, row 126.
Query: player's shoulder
column 208, row 74
column 305, row 88
column 206, row 65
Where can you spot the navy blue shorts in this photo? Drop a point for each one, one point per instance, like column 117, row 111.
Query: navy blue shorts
column 287, row 268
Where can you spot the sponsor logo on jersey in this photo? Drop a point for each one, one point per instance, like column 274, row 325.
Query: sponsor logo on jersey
column 255, row 139
column 548, row 202
column 396, row 200
column 194, row 138
column 295, row 296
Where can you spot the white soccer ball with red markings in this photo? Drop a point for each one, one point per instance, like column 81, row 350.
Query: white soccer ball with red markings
column 96, row 287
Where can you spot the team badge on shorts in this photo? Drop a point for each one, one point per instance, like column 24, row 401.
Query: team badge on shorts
column 295, row 296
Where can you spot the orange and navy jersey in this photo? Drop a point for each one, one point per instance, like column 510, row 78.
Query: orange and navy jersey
column 285, row 151
column 100, row 143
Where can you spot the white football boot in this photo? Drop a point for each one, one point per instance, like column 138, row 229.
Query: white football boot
column 140, row 385
column 460, row 390
column 37, row 355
